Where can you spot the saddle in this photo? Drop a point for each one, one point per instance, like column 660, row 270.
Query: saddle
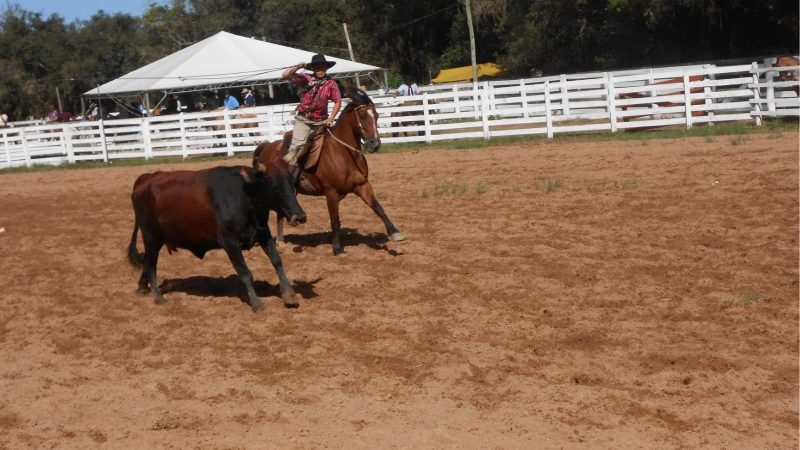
column 312, row 149
column 308, row 162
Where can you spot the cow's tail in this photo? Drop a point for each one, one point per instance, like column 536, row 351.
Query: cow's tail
column 134, row 257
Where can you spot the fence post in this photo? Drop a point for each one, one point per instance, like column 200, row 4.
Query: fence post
column 184, row 143
column 564, row 96
column 548, row 116
column 707, row 91
column 228, row 135
column 271, row 122
column 103, row 145
column 769, row 78
column 477, row 107
column 485, row 110
column 68, row 144
column 687, row 99
column 25, row 147
column 456, row 101
column 427, row 117
column 148, row 143
column 524, row 96
column 756, row 94
column 8, row 148
column 612, row 102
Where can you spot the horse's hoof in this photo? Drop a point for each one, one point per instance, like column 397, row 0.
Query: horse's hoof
column 257, row 307
column 397, row 237
column 340, row 253
column 160, row 300
column 280, row 244
column 143, row 290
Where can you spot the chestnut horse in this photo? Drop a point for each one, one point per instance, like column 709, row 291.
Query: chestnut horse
column 678, row 82
column 341, row 168
column 789, row 75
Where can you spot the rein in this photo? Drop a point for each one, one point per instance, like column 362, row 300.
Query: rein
column 360, row 129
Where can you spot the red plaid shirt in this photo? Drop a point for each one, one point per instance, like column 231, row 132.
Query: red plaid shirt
column 314, row 102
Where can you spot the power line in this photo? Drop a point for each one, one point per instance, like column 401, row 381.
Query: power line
column 397, row 27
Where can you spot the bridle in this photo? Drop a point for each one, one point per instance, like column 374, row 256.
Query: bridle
column 360, row 129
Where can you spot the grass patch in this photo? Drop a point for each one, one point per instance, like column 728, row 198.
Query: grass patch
column 123, row 162
column 747, row 300
column 738, row 140
column 773, row 127
column 443, row 189
column 454, row 189
column 548, row 185
column 597, row 185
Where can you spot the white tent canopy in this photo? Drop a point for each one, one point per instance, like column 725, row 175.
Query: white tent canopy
column 221, row 60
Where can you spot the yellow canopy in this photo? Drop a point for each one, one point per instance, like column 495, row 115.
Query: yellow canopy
column 465, row 73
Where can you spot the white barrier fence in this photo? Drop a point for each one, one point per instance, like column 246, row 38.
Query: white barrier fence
column 682, row 96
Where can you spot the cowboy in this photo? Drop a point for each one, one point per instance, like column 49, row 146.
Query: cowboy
column 249, row 98
column 312, row 113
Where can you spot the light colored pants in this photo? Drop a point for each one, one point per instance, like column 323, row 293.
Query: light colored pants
column 303, row 130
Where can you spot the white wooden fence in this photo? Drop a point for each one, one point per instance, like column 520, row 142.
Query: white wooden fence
column 609, row 101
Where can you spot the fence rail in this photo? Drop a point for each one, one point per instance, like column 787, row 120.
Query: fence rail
column 610, row 101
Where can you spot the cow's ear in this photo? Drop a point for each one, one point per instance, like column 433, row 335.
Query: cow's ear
column 251, row 181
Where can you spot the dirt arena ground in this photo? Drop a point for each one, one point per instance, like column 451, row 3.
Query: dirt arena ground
column 637, row 294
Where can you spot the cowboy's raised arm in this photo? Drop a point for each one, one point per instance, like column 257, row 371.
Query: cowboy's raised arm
column 287, row 74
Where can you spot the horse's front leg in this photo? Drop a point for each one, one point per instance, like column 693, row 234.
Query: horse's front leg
column 368, row 195
column 332, row 199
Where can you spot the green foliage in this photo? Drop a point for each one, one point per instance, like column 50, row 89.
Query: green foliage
column 415, row 37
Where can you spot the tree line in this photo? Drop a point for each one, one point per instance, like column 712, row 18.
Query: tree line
column 415, row 37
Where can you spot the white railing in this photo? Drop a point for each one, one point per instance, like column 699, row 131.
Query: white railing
column 682, row 96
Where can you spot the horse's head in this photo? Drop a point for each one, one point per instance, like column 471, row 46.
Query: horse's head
column 366, row 115
column 788, row 61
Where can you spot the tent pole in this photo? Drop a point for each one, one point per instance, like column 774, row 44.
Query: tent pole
column 147, row 104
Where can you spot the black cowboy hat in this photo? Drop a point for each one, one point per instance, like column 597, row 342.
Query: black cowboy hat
column 319, row 60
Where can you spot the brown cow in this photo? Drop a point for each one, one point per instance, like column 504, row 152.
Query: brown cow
column 223, row 207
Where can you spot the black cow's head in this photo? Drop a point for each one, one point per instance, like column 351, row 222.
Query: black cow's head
column 273, row 190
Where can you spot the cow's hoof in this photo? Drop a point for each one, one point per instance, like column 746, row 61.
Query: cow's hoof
column 397, row 237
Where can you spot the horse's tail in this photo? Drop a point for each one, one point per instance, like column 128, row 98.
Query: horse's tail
column 134, row 257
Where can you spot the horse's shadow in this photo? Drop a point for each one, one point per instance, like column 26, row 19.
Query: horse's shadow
column 348, row 236
column 232, row 286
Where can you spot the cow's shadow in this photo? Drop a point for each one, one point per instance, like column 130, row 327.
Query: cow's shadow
column 349, row 237
column 232, row 286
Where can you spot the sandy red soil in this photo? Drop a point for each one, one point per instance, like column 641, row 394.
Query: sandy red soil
column 647, row 299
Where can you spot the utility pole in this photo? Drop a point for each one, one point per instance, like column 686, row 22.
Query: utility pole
column 58, row 97
column 350, row 47
column 472, row 46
